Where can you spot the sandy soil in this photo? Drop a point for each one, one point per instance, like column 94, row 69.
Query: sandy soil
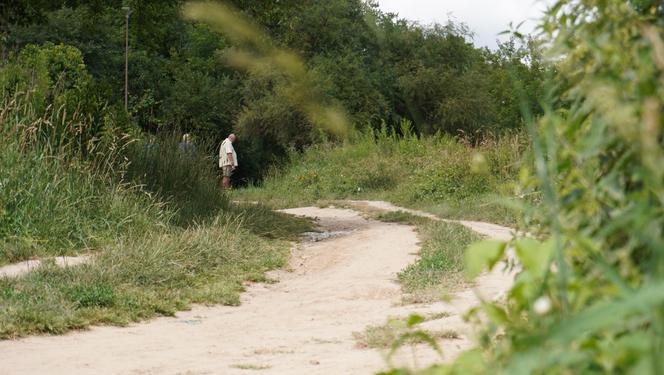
column 302, row 325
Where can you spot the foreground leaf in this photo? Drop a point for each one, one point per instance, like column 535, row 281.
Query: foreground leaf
column 534, row 255
column 483, row 255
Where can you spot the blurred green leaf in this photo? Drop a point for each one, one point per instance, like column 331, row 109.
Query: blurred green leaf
column 610, row 314
column 534, row 255
column 470, row 362
column 481, row 255
column 417, row 336
column 495, row 313
column 415, row 319
column 605, row 315
column 525, row 288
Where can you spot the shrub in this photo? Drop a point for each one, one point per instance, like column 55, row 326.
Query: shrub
column 589, row 299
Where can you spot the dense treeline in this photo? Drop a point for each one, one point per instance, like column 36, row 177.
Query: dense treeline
column 380, row 68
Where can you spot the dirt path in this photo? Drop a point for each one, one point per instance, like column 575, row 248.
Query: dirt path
column 302, row 325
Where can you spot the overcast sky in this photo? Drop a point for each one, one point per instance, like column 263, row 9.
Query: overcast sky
column 486, row 18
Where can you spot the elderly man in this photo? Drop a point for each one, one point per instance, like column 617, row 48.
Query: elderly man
column 227, row 160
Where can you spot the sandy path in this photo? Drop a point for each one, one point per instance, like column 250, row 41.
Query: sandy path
column 301, row 325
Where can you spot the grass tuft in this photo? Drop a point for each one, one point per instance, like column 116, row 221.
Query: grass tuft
column 384, row 336
column 440, row 266
column 247, row 366
column 402, row 217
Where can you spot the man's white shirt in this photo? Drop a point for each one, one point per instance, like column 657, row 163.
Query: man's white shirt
column 225, row 149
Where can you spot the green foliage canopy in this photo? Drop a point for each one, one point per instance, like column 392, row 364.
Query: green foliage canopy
column 378, row 67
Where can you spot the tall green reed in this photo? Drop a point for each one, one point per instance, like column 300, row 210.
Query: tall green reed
column 186, row 178
column 59, row 192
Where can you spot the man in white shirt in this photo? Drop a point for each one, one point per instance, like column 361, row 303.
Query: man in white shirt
column 227, row 160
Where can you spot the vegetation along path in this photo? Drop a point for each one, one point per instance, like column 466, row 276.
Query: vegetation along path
column 303, row 324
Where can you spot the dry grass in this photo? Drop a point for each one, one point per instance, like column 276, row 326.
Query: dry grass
column 384, row 336
column 246, row 366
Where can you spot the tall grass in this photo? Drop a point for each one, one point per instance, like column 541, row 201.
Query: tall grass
column 162, row 232
column 57, row 192
column 441, row 174
column 186, row 179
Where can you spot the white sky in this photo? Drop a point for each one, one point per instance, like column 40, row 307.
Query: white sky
column 486, row 18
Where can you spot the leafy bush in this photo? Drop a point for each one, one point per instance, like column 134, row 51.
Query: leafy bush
column 50, row 87
column 53, row 72
column 590, row 298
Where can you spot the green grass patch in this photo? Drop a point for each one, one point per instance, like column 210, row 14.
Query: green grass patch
column 401, row 217
column 143, row 277
column 487, row 208
column 440, row 266
column 435, row 174
column 162, row 232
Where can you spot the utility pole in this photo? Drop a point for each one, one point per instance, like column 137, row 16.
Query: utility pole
column 126, row 91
